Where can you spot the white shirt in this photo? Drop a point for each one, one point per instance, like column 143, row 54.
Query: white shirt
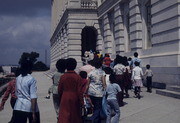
column 96, row 84
column 107, row 79
column 137, row 73
column 149, row 73
column 119, row 69
column 26, row 90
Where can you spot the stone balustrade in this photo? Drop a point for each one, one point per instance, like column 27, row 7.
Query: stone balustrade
column 88, row 4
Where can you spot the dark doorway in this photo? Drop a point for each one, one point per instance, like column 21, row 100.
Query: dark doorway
column 88, row 39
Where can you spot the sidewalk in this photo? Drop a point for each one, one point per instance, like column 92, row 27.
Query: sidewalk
column 151, row 108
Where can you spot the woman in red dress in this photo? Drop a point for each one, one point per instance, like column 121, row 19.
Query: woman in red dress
column 71, row 95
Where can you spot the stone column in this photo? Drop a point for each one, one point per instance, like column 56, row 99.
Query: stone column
column 119, row 30
column 107, row 35
column 99, row 43
column 135, row 25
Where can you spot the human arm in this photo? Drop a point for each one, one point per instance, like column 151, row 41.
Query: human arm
column 33, row 106
column 60, row 87
column 33, row 96
column 141, row 73
column 145, row 73
column 104, row 81
column 132, row 77
column 6, row 96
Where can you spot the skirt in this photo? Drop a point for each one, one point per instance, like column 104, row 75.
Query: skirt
column 138, row 82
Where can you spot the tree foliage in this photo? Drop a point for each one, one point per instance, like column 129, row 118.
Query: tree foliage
column 1, row 69
column 31, row 56
column 40, row 66
column 37, row 65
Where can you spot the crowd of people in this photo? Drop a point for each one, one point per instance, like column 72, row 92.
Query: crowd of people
column 78, row 92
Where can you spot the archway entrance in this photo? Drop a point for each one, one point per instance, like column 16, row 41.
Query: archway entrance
column 88, row 39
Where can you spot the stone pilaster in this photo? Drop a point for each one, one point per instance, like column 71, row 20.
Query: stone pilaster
column 135, row 25
column 107, row 35
column 119, row 30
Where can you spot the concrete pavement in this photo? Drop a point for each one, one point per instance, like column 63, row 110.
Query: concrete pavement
column 151, row 108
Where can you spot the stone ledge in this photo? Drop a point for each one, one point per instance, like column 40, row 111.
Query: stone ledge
column 168, row 93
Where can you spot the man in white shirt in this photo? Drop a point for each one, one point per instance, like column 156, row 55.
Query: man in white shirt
column 26, row 92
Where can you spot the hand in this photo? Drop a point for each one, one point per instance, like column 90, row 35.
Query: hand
column 1, row 108
column 34, row 118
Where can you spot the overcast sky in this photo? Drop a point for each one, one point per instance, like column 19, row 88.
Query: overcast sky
column 24, row 27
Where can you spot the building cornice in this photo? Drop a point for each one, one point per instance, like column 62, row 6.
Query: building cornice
column 108, row 5
column 64, row 19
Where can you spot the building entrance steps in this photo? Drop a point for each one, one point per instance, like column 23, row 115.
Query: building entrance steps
column 171, row 91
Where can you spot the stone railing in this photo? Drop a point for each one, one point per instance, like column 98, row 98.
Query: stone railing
column 89, row 4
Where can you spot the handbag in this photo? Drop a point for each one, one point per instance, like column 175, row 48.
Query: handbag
column 88, row 107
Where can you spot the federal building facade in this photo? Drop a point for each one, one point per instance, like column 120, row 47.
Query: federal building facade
column 149, row 27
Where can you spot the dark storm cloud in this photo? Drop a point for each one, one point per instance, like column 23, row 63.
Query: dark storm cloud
column 24, row 27
column 24, row 7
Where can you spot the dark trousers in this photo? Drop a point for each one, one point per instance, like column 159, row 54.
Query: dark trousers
column 21, row 117
column 56, row 102
column 137, row 90
column 149, row 83
column 97, row 102
column 12, row 102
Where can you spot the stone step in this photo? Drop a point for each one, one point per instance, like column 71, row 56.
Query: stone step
column 168, row 93
column 174, row 88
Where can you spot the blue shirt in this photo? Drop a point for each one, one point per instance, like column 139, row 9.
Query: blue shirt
column 112, row 90
column 134, row 60
column 26, row 90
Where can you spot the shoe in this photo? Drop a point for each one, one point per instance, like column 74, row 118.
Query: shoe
column 127, row 95
column 47, row 97
column 138, row 96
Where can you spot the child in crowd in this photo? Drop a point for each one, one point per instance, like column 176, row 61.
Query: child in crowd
column 83, row 75
column 112, row 103
column 87, row 100
column 149, row 74
column 137, row 74
column 108, row 72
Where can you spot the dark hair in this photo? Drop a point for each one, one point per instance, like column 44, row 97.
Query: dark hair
column 119, row 60
column 17, row 72
column 135, row 54
column 26, row 67
column 129, row 59
column 124, row 61
column 61, row 65
column 148, row 66
column 107, row 55
column 136, row 63
column 112, row 78
column 97, row 63
column 83, row 74
column 90, row 62
column 108, row 70
column 71, row 64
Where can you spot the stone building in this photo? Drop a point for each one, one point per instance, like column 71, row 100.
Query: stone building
column 150, row 27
